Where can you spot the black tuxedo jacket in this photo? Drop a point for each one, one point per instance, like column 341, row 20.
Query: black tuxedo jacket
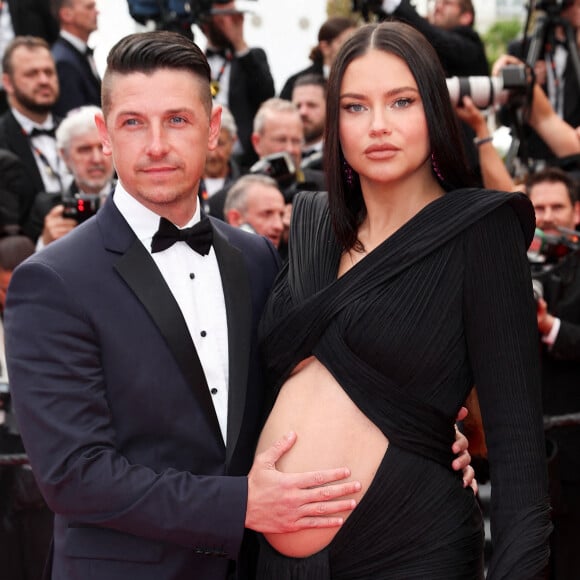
column 78, row 85
column 13, row 139
column 115, row 411
column 251, row 83
column 561, row 362
column 15, row 186
column 34, row 18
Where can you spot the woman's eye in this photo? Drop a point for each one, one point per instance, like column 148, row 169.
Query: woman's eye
column 402, row 103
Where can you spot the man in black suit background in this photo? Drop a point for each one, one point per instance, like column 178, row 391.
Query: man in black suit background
column 27, row 128
column 24, row 18
column 132, row 356
column 241, row 77
column 77, row 75
column 554, row 195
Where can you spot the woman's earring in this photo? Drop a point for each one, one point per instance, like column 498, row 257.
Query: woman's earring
column 348, row 172
column 436, row 167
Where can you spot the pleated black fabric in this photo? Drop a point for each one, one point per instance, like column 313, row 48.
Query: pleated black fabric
column 442, row 304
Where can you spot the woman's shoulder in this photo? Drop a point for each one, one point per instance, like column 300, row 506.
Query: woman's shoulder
column 489, row 205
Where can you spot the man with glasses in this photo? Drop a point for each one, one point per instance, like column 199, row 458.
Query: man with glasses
column 450, row 29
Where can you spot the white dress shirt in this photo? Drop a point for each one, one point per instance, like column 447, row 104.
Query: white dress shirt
column 196, row 285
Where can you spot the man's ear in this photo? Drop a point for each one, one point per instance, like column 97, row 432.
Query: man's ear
column 577, row 213
column 234, row 218
column 255, row 138
column 465, row 19
column 215, row 124
column 103, row 134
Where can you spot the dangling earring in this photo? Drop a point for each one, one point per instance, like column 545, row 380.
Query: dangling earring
column 348, row 172
column 436, row 167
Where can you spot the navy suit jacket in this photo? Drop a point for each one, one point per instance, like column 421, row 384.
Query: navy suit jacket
column 78, row 85
column 114, row 408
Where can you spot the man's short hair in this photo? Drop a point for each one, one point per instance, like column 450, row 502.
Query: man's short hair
column 553, row 175
column 269, row 106
column 148, row 52
column 237, row 196
column 29, row 42
column 77, row 122
column 310, row 79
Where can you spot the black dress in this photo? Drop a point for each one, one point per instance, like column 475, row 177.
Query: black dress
column 444, row 303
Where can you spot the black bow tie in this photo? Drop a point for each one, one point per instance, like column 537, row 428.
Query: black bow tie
column 89, row 51
column 198, row 237
column 36, row 131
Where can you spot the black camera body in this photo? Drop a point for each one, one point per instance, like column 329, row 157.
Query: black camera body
column 81, row 207
column 554, row 6
column 278, row 166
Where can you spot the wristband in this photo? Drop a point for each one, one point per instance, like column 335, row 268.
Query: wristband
column 481, row 141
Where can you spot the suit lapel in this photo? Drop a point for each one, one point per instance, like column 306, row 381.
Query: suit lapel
column 137, row 268
column 236, row 287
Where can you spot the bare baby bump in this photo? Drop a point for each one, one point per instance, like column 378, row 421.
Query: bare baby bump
column 331, row 432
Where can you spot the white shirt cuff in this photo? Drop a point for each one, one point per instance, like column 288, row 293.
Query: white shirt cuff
column 389, row 6
column 551, row 337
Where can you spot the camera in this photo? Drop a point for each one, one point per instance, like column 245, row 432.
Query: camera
column 513, row 81
column 367, row 7
column 553, row 5
column 176, row 15
column 80, row 207
column 278, row 166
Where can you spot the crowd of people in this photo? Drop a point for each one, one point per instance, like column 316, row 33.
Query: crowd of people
column 220, row 294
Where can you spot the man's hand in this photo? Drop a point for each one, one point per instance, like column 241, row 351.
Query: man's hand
column 545, row 319
column 232, row 27
column 288, row 502
column 463, row 459
column 55, row 225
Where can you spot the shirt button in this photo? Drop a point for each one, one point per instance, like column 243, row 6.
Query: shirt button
column 192, row 275
column 203, row 333
column 213, row 391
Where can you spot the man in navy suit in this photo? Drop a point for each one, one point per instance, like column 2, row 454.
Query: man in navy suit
column 77, row 76
column 132, row 356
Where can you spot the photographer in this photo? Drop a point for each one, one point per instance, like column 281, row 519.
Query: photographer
column 554, row 70
column 561, row 137
column 80, row 147
column 554, row 195
column 241, row 77
column 450, row 29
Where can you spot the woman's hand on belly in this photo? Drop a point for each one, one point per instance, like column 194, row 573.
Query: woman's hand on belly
column 289, row 502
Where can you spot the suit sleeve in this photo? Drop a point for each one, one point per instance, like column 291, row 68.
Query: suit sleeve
column 260, row 84
column 62, row 403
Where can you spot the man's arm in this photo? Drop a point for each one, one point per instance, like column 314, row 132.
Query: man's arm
column 67, row 421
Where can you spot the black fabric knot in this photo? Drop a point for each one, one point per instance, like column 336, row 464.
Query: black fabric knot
column 198, row 237
column 89, row 51
column 37, row 131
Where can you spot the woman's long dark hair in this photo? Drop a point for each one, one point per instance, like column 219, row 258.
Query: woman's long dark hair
column 346, row 202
